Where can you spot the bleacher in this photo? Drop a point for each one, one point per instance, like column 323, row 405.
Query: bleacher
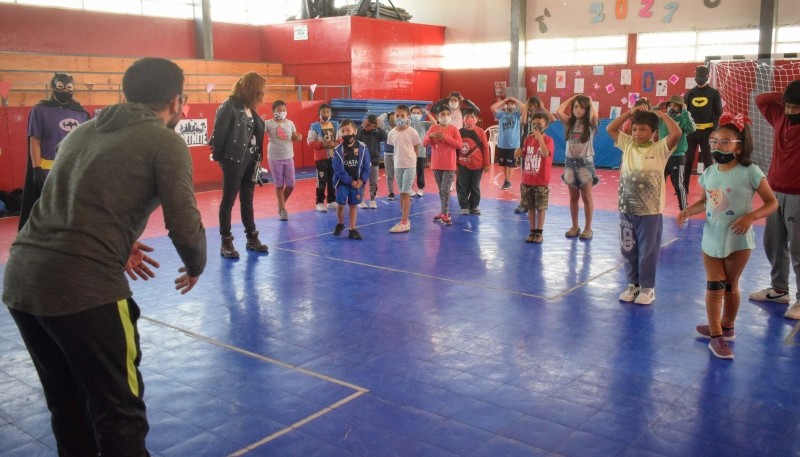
column 98, row 80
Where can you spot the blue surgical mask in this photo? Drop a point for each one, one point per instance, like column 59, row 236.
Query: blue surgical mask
column 400, row 121
column 416, row 117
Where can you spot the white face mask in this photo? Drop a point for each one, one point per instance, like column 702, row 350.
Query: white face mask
column 454, row 105
column 280, row 115
column 444, row 120
column 416, row 117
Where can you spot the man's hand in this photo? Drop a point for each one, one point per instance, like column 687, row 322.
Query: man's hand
column 184, row 282
column 138, row 260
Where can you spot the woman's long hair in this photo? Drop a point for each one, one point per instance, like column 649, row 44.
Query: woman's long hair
column 249, row 90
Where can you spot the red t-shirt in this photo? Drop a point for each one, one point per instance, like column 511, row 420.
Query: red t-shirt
column 783, row 173
column 443, row 152
column 474, row 152
column 535, row 167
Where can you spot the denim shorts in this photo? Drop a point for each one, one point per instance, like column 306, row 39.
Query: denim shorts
column 405, row 179
column 579, row 172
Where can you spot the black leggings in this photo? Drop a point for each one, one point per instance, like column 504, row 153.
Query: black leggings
column 237, row 179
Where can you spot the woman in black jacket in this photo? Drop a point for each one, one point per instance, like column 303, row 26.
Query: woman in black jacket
column 237, row 144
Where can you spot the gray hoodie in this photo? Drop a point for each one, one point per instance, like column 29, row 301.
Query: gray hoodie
column 110, row 174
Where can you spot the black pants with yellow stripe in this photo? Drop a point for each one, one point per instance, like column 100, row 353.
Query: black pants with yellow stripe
column 88, row 366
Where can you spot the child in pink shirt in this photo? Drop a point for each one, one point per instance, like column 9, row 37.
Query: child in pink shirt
column 444, row 140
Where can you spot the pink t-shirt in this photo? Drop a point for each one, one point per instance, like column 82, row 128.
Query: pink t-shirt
column 443, row 152
column 405, row 144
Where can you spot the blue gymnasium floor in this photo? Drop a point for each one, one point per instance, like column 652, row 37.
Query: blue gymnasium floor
column 445, row 341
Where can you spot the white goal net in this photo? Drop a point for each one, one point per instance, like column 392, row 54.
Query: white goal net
column 739, row 81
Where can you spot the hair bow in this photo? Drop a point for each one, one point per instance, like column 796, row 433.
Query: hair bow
column 739, row 120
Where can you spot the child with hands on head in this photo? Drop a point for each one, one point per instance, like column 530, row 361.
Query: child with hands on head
column 728, row 238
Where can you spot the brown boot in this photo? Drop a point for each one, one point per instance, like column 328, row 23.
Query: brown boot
column 253, row 243
column 227, row 250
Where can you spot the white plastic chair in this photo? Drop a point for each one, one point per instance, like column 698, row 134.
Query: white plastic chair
column 491, row 136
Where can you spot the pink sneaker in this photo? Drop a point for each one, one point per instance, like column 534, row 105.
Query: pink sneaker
column 438, row 217
column 445, row 219
column 719, row 347
column 704, row 331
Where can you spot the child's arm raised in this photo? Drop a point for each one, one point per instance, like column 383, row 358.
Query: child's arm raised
column 594, row 118
column 614, row 127
column 496, row 107
column 742, row 225
column 564, row 110
column 672, row 127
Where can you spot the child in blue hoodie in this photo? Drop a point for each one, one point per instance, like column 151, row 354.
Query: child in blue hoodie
column 351, row 169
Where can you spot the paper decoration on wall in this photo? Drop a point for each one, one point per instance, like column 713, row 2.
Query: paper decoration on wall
column 555, row 102
column 624, row 100
column 648, row 81
column 609, row 88
column 541, row 83
column 690, row 83
column 632, row 98
column 5, row 88
column 193, row 131
column 625, row 77
column 596, row 86
column 596, row 10
column 615, row 112
column 671, row 8
column 578, row 74
column 540, row 20
column 561, row 79
column 674, row 79
column 598, row 70
column 313, row 88
column 210, row 87
column 578, row 89
column 596, row 105
column 301, row 32
column 661, row 88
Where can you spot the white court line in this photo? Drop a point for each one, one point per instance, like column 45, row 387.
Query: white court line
column 359, row 391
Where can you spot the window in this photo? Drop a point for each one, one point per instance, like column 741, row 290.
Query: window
column 599, row 50
column 696, row 46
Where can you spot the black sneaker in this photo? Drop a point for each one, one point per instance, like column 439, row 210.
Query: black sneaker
column 354, row 235
column 506, row 185
column 390, row 197
column 338, row 230
column 519, row 210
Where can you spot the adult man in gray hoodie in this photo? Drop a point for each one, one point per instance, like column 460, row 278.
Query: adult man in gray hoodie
column 65, row 280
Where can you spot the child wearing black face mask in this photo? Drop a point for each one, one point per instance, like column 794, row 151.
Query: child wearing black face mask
column 728, row 238
column 351, row 169
column 782, row 234
column 676, row 164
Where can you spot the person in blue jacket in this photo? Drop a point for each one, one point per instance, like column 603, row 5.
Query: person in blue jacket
column 351, row 169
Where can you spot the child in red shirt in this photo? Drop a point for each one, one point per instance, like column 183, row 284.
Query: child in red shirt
column 537, row 161
column 444, row 141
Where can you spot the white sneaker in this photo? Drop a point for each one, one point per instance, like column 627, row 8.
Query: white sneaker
column 769, row 294
column 321, row 208
column 420, row 193
column 400, row 228
column 373, row 204
column 332, row 205
column 363, row 205
column 794, row 311
column 630, row 293
column 646, row 296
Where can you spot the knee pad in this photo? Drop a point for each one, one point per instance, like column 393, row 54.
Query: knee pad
column 728, row 287
column 715, row 285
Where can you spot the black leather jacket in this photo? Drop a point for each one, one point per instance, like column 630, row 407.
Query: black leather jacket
column 232, row 132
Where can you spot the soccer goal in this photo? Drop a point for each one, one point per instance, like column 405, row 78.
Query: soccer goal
column 740, row 81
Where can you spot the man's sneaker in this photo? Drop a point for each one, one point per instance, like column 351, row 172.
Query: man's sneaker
column 519, row 210
column 283, row 215
column 704, row 331
column 794, row 311
column 464, row 211
column 338, row 230
column 475, row 211
column 363, row 205
column 390, row 197
column 321, row 208
column 438, row 217
column 354, row 235
column 630, row 293
column 373, row 204
column 445, row 219
column 719, row 347
column 506, row 185
column 646, row 296
column 420, row 193
column 400, row 228
column 769, row 294
column 332, row 205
